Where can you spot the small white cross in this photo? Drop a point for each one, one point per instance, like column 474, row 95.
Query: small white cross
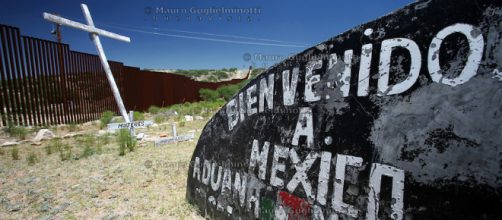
column 94, row 33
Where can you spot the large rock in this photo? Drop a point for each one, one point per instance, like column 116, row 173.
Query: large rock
column 399, row 118
column 43, row 134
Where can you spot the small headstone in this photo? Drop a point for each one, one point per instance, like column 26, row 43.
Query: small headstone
column 140, row 136
column 174, row 131
column 169, row 140
column 188, row 118
column 43, row 134
column 9, row 143
column 175, row 137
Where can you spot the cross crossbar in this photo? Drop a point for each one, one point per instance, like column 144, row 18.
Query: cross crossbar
column 94, row 34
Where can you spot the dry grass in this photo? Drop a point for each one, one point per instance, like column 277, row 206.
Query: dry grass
column 148, row 183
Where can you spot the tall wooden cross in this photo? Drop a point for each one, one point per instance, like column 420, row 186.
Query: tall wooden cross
column 94, row 34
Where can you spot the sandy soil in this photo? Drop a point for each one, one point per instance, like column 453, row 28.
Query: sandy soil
column 148, row 183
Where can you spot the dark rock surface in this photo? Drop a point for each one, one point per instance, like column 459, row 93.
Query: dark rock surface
column 399, row 118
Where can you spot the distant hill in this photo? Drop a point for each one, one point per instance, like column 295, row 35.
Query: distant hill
column 213, row 75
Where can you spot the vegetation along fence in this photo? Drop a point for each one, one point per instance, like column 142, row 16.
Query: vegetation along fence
column 45, row 83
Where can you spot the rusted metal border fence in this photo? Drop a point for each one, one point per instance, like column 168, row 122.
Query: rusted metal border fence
column 45, row 83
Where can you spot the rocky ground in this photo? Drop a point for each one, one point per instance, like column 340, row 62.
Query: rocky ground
column 148, row 183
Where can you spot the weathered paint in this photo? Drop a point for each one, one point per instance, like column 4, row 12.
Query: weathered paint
column 294, row 206
column 135, row 124
column 267, row 209
column 94, row 35
column 395, row 119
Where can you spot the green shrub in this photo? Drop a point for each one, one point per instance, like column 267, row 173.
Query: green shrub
column 220, row 74
column 65, row 152
column 208, row 94
column 88, row 140
column 106, row 118
column 118, row 120
column 16, row 131
column 88, row 151
column 138, row 116
column 159, row 119
column 32, row 158
column 204, row 108
column 104, row 139
column 122, row 150
column 89, row 143
column 2, row 152
column 15, row 153
column 154, row 109
column 182, row 123
column 227, row 92
column 125, row 141
column 53, row 146
column 212, row 78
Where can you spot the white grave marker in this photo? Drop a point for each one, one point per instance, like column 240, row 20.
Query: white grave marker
column 94, row 34
column 175, row 138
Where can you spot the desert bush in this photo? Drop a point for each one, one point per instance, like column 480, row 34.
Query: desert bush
column 208, row 94
column 65, row 152
column 204, row 108
column 212, row 78
column 106, row 118
column 103, row 139
column 15, row 153
column 227, row 92
column 16, row 131
column 220, row 74
column 125, row 141
column 89, row 149
column 32, row 158
column 154, row 109
column 138, row 116
column 159, row 119
column 53, row 146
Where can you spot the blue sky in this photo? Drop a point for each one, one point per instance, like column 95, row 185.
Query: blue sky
column 163, row 38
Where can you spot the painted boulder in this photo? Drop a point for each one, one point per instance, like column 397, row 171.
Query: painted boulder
column 399, row 118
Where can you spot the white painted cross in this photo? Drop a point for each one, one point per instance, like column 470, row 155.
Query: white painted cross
column 94, row 34
column 131, row 125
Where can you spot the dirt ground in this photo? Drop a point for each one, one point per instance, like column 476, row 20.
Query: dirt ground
column 148, row 183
